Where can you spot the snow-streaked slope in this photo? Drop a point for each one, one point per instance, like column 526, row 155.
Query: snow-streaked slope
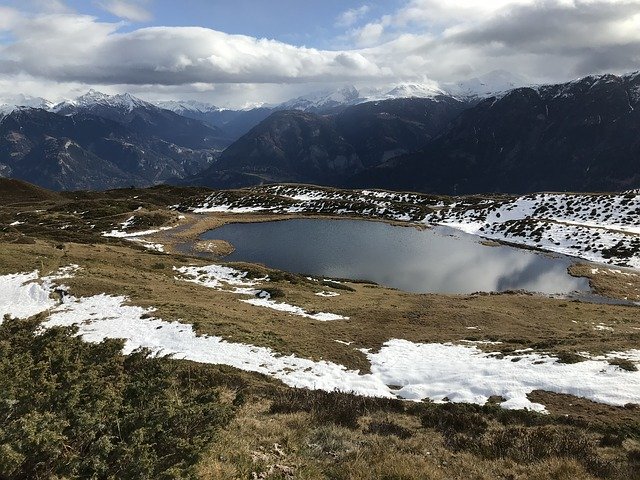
column 598, row 227
column 416, row 371
column 602, row 228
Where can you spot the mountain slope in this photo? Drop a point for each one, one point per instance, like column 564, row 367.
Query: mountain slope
column 295, row 146
column 89, row 152
column 381, row 130
column 579, row 136
column 291, row 146
column 147, row 119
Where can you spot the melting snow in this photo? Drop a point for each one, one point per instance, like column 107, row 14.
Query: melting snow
column 22, row 295
column 121, row 234
column 435, row 371
column 227, row 209
column 265, row 301
column 216, row 276
column 128, row 222
column 466, row 374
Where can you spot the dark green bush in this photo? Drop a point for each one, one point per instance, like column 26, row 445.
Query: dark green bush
column 70, row 409
column 332, row 407
column 624, row 364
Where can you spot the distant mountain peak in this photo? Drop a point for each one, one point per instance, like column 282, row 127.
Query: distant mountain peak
column 325, row 99
column 486, row 85
column 407, row 90
column 123, row 101
column 14, row 102
column 184, row 106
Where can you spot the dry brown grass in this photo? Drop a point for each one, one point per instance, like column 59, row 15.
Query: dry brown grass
column 260, row 444
column 614, row 282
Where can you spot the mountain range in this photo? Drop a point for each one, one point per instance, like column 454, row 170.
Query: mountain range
column 577, row 136
column 305, row 147
column 100, row 141
column 476, row 136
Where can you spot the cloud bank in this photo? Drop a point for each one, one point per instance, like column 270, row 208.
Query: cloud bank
column 543, row 40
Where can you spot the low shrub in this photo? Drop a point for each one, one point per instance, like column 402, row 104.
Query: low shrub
column 71, row 409
column 332, row 407
column 624, row 364
column 452, row 418
column 570, row 357
column 338, row 286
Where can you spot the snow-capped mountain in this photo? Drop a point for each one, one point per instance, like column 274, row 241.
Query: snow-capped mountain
column 577, row 87
column 574, row 136
column 414, row 90
column 6, row 110
column 324, row 100
column 474, row 88
column 404, row 90
column 187, row 106
column 486, row 85
column 10, row 103
column 91, row 99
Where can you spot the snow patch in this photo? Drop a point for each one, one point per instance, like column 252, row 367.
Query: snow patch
column 327, row 294
column 23, row 295
column 121, row 234
column 220, row 277
column 466, row 374
column 265, row 301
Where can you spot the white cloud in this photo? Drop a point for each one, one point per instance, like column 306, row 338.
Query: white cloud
column 69, row 48
column 351, row 16
column 551, row 40
column 370, row 34
column 126, row 9
column 51, row 6
column 8, row 17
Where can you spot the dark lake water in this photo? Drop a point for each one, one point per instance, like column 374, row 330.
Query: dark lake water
column 438, row 260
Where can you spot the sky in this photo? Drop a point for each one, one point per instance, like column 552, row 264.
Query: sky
column 245, row 52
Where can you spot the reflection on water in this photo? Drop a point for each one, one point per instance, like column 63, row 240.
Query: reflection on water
column 439, row 260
